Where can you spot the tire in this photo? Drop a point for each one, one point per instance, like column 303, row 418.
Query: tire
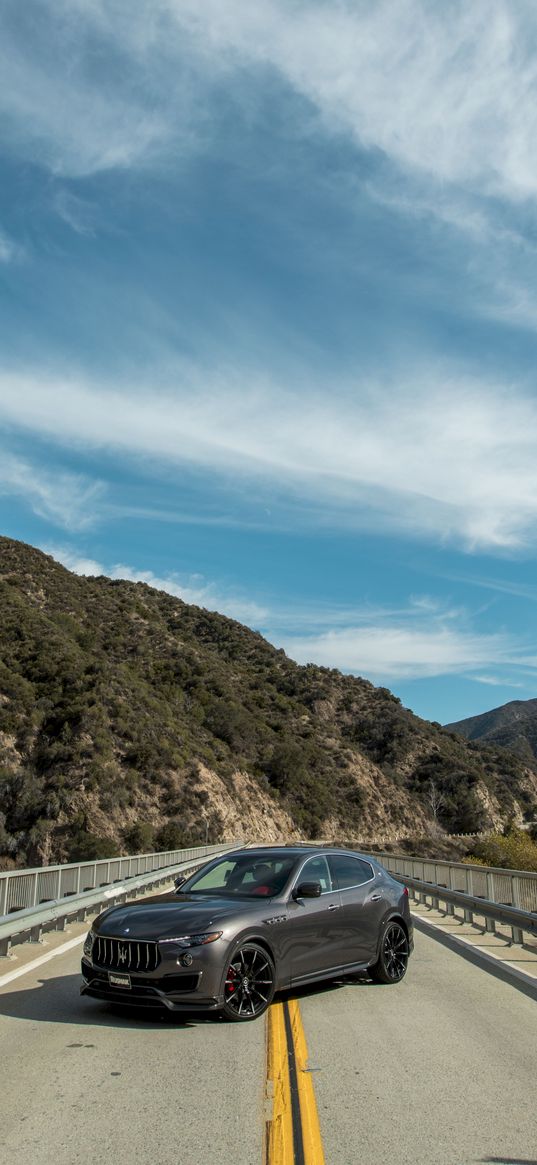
column 249, row 983
column 392, row 962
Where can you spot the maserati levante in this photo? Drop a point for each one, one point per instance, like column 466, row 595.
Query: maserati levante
column 248, row 924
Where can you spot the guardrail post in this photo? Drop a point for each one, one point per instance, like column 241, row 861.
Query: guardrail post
column 469, row 916
column 36, row 934
column 490, row 925
column 517, row 935
column 4, row 887
column 5, row 944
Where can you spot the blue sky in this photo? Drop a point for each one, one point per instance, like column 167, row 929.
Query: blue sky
column 269, row 321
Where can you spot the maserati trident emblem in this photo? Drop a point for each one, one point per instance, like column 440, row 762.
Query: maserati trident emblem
column 122, row 954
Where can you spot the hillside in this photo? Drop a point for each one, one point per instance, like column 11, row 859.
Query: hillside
column 512, row 726
column 129, row 719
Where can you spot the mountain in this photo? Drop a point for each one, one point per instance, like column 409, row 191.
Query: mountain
column 129, row 719
column 513, row 726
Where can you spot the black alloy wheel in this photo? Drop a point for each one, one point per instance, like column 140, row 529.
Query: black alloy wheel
column 394, row 953
column 249, row 984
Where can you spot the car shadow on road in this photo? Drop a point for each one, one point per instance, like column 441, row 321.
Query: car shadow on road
column 58, row 1000
column 327, row 986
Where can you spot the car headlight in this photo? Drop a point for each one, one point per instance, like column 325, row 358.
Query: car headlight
column 193, row 940
column 88, row 943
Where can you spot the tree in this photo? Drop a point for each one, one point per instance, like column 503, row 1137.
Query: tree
column 435, row 801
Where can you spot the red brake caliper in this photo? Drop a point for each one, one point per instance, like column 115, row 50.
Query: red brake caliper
column 230, row 980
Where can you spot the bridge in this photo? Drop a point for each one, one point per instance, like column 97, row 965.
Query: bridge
column 440, row 1069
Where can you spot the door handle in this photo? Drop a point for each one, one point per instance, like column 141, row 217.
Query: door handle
column 333, row 906
column 374, row 898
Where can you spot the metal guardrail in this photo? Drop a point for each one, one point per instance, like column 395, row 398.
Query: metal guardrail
column 27, row 923
column 516, row 888
column 20, row 889
column 520, row 921
column 31, row 900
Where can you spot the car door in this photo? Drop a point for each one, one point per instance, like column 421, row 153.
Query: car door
column 362, row 905
column 313, row 931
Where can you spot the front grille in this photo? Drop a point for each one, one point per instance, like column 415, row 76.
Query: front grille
column 125, row 954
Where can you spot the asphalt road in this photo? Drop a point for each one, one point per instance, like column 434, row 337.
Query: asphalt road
column 81, row 1083
column 440, row 1070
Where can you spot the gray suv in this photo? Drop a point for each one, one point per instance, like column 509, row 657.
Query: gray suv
column 248, row 924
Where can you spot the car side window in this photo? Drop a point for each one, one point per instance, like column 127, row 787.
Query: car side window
column 316, row 870
column 349, row 871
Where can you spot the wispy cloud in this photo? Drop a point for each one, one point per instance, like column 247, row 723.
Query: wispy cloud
column 69, row 500
column 420, row 641
column 193, row 589
column 58, row 106
column 440, row 456
column 447, row 91
column 442, row 90
column 503, row 586
column 400, row 652
column 498, row 681
column 10, row 251
column 77, row 212
column 441, row 97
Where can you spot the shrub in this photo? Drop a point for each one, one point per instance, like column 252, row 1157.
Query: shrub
column 171, row 836
column 88, row 847
column 512, row 851
column 140, row 838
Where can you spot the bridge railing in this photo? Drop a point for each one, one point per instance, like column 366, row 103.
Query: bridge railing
column 20, row 889
column 34, row 900
column 516, row 888
column 520, row 922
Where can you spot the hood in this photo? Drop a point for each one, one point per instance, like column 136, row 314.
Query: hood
column 171, row 914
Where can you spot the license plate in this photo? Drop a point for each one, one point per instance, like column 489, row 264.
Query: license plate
column 119, row 980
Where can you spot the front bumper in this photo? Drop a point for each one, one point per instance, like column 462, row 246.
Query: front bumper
column 176, row 992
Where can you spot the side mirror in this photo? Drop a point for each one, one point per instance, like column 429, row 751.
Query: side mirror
column 307, row 890
column 179, row 881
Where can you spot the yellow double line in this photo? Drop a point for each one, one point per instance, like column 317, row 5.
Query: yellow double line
column 293, row 1135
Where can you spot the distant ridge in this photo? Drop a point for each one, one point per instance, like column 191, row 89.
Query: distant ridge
column 131, row 720
column 512, row 725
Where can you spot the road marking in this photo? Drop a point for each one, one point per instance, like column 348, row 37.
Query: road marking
column 311, row 1131
column 73, row 942
column 279, row 1138
column 293, row 1135
column 296, row 1112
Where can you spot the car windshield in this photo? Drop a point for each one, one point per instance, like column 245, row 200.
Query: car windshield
column 244, row 876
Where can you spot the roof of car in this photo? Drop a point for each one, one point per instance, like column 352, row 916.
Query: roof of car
column 296, row 850
column 281, row 849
